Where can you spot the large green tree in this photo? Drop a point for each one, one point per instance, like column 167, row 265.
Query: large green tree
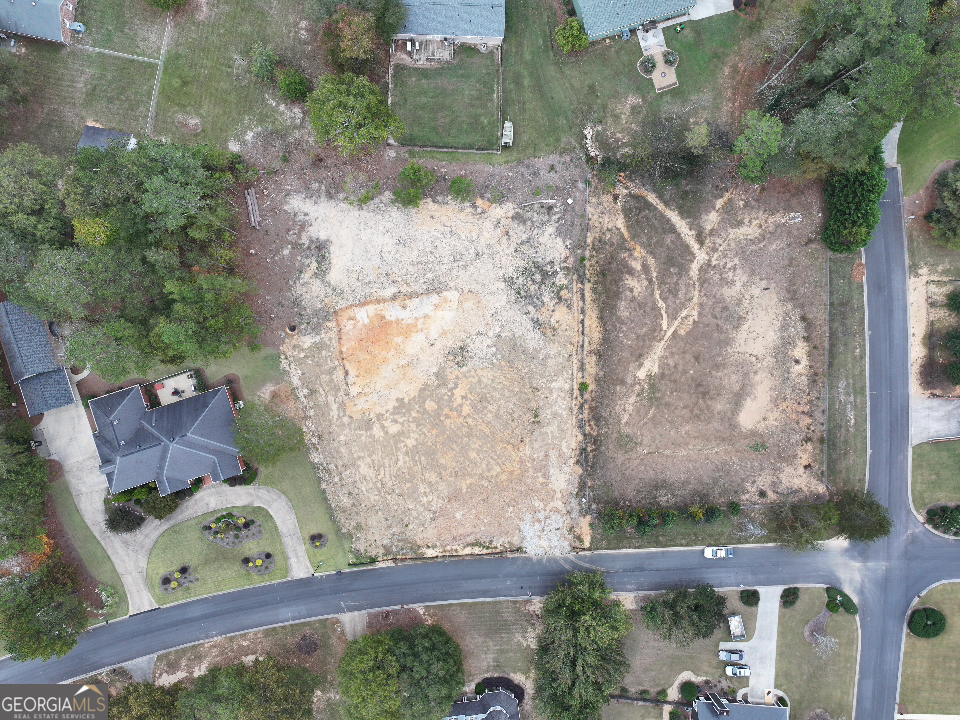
column 860, row 516
column 389, row 15
column 681, row 616
column 800, row 526
column 350, row 113
column 368, row 675
column 30, row 205
column 758, row 142
column 945, row 216
column 42, row 613
column 144, row 701
column 580, row 658
column 853, row 203
column 23, row 489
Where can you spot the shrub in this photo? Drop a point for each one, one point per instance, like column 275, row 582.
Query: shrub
column 461, row 188
column 833, row 606
column 612, row 520
column 733, row 507
column 644, row 694
column 648, row 63
column 411, row 183
column 750, row 598
column 952, row 371
column 759, row 141
column 646, row 520
column 123, row 519
column 842, row 600
column 661, row 695
column 671, row 58
column 853, row 202
column 689, row 691
column 668, row 518
column 263, row 63
column 927, row 622
column 789, row 596
column 712, row 513
column 293, row 85
column 571, row 36
column 479, row 689
column 953, row 301
column 677, row 714
column 159, row 506
column 952, row 341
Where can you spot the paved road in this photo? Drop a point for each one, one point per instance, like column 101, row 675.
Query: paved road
column 883, row 577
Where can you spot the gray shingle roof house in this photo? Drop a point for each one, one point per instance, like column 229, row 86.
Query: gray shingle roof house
column 492, row 705
column 26, row 343
column 711, row 706
column 471, row 21
column 602, row 18
column 43, row 19
column 171, row 445
column 100, row 137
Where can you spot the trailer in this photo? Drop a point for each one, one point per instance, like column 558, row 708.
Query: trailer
column 737, row 632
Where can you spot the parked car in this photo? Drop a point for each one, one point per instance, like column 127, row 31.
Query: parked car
column 737, row 671
column 716, row 553
column 731, row 655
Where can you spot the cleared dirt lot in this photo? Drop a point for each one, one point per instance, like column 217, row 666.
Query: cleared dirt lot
column 708, row 311
column 436, row 360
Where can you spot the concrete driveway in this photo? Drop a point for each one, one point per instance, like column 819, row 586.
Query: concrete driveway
column 760, row 652
column 67, row 438
column 933, row 418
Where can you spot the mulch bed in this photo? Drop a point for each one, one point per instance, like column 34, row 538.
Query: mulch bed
column 267, row 562
column 318, row 541
column 173, row 580
column 817, row 626
column 231, row 530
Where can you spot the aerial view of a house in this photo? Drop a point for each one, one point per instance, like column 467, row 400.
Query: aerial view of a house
column 28, row 347
column 465, row 21
column 42, row 19
column 602, row 18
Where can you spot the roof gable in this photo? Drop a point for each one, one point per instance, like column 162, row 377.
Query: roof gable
column 46, row 391
column 39, row 19
column 26, row 341
column 602, row 18
column 455, row 18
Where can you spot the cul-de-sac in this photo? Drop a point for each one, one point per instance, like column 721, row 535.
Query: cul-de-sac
column 480, row 360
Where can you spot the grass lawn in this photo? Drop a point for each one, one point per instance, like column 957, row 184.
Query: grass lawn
column 846, row 377
column 135, row 28
column 931, row 668
column 924, row 144
column 450, row 105
column 808, row 681
column 655, row 664
column 218, row 568
column 95, row 558
column 205, row 74
column 936, row 474
column 629, row 711
column 295, row 476
column 255, row 369
column 70, row 87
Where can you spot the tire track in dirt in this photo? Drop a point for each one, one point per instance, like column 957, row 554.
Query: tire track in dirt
column 701, row 256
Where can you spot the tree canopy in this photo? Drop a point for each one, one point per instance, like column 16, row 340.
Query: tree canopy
column 401, row 675
column 389, row 15
column 571, row 36
column 681, row 616
column 350, row 113
column 853, row 204
column 861, row 517
column 135, row 249
column 23, row 490
column 41, row 613
column 800, row 526
column 758, row 142
column 580, row 658
column 945, row 216
column 351, row 38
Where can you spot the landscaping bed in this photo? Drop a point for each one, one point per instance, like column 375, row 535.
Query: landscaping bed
column 261, row 563
column 174, row 580
column 231, row 530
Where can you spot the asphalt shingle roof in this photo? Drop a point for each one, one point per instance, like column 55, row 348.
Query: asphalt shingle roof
column 602, row 18
column 170, row 445
column 455, row 18
column 492, row 705
column 704, row 710
column 37, row 19
column 99, row 137
column 46, row 391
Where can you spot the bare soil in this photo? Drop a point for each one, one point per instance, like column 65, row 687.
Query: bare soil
column 707, row 326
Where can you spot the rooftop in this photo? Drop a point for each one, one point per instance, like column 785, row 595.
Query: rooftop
column 492, row 705
column 712, row 706
column 455, row 18
column 39, row 19
column 100, row 137
column 602, row 18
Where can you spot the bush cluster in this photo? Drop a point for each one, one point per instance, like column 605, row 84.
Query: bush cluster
column 945, row 216
column 268, row 67
column 123, row 519
column 946, row 519
column 644, row 520
column 648, row 63
column 853, row 202
column 927, row 622
column 837, row 599
column 951, row 340
column 750, row 598
column 413, row 180
column 461, row 188
column 571, row 36
column 789, row 597
column 689, row 691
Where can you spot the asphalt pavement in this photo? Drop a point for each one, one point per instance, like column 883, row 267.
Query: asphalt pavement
column 883, row 577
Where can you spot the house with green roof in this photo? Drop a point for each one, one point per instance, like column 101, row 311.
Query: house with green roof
column 477, row 22
column 603, row 18
column 42, row 19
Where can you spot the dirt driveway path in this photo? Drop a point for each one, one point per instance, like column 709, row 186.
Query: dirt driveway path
column 760, row 653
column 68, row 440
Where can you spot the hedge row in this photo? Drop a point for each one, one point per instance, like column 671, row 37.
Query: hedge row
column 946, row 519
column 644, row 520
column 837, row 599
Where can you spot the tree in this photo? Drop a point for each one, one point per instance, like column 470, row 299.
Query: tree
column 144, row 701
column 413, row 180
column 697, row 138
column 13, row 82
column 853, row 203
column 351, row 38
column 758, row 142
column 264, row 435
column 265, row 690
column 430, row 674
column 30, row 205
column 945, row 216
column 789, row 596
column 123, row 519
column 571, row 36
column 798, row 526
column 927, row 622
column 389, row 15
column 159, row 506
column 368, row 676
column 861, row 516
column 681, row 616
column 580, row 658
column 350, row 113
column 42, row 613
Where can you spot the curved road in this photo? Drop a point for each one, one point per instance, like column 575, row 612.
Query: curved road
column 884, row 577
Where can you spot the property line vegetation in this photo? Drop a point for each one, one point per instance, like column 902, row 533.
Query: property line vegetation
column 945, row 216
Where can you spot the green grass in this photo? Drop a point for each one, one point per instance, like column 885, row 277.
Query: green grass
column 218, row 568
column 69, row 87
column 205, row 74
column 94, row 557
column 550, row 98
column 931, row 667
column 128, row 26
column 684, row 533
column 452, row 105
column 808, row 681
column 629, row 711
column 294, row 475
column 924, row 144
column 846, row 378
column 936, row 474
column 255, row 369
column 655, row 664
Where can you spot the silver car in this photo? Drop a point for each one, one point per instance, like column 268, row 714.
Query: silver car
column 731, row 655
